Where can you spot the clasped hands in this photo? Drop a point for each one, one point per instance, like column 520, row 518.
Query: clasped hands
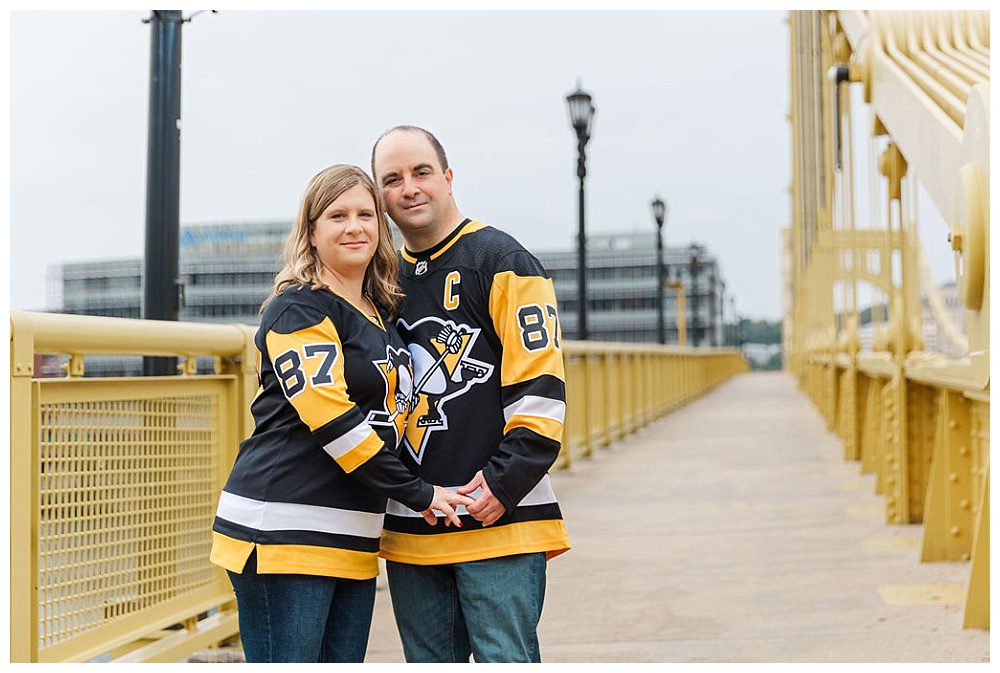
column 485, row 509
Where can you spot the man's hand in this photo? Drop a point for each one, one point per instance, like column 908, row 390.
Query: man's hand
column 486, row 508
column 445, row 502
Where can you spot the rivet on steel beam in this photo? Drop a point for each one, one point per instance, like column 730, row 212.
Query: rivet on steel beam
column 953, row 424
column 964, row 504
column 963, row 450
column 954, row 531
column 965, row 556
column 953, row 477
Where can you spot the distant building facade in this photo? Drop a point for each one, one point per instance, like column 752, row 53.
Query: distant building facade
column 935, row 339
column 621, row 289
column 228, row 269
column 934, row 334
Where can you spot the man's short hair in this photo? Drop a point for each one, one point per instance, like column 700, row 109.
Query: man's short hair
column 435, row 143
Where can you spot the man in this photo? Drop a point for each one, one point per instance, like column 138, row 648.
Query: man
column 481, row 324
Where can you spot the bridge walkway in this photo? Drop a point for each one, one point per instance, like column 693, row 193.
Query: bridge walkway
column 733, row 530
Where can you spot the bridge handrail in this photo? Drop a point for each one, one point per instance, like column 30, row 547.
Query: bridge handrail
column 88, row 335
column 579, row 347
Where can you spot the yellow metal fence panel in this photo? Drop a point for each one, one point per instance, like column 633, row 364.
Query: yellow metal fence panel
column 114, row 484
column 127, row 488
column 596, row 395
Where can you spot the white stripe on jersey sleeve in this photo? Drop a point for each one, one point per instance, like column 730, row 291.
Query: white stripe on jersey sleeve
column 261, row 515
column 347, row 441
column 541, row 494
column 533, row 405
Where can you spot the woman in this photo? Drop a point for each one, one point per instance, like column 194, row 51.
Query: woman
column 299, row 519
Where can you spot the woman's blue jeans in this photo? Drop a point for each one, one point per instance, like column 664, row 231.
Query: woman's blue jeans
column 302, row 618
column 489, row 609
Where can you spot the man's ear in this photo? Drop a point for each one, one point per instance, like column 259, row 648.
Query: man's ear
column 448, row 177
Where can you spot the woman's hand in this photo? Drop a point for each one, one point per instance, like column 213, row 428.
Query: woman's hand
column 445, row 502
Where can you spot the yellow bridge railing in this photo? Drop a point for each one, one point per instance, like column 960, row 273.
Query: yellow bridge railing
column 925, row 434
column 613, row 389
column 114, row 481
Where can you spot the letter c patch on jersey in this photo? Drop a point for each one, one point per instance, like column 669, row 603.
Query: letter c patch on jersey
column 451, row 297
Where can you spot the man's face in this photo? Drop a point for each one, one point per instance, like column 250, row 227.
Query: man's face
column 416, row 191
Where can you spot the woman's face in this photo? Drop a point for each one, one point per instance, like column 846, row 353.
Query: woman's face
column 345, row 235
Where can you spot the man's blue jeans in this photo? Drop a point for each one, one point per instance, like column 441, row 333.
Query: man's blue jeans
column 488, row 608
column 302, row 618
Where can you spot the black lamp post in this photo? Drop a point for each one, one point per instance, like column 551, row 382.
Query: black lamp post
column 581, row 116
column 659, row 214
column 694, row 271
column 162, row 289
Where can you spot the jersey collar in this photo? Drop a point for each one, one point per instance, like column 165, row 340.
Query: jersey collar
column 437, row 250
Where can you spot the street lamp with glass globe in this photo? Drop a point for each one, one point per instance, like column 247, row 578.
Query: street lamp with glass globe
column 581, row 116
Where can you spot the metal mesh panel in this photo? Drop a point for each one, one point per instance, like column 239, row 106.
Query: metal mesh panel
column 126, row 503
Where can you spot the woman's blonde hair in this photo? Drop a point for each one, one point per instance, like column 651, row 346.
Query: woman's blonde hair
column 301, row 265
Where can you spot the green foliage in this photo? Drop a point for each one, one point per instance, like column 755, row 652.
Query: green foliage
column 755, row 336
column 760, row 331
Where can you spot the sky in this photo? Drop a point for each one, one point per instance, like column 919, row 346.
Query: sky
column 690, row 106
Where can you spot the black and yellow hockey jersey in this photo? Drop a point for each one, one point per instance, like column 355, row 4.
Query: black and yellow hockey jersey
column 308, row 489
column 482, row 326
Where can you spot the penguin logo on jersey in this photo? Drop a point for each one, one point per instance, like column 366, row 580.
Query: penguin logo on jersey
column 397, row 374
column 443, row 370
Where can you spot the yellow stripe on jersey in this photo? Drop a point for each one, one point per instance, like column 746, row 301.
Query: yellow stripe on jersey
column 546, row 427
column 310, row 366
column 368, row 447
column 304, row 559
column 472, row 545
column 467, row 229
column 524, row 315
column 230, row 553
column 297, row 559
